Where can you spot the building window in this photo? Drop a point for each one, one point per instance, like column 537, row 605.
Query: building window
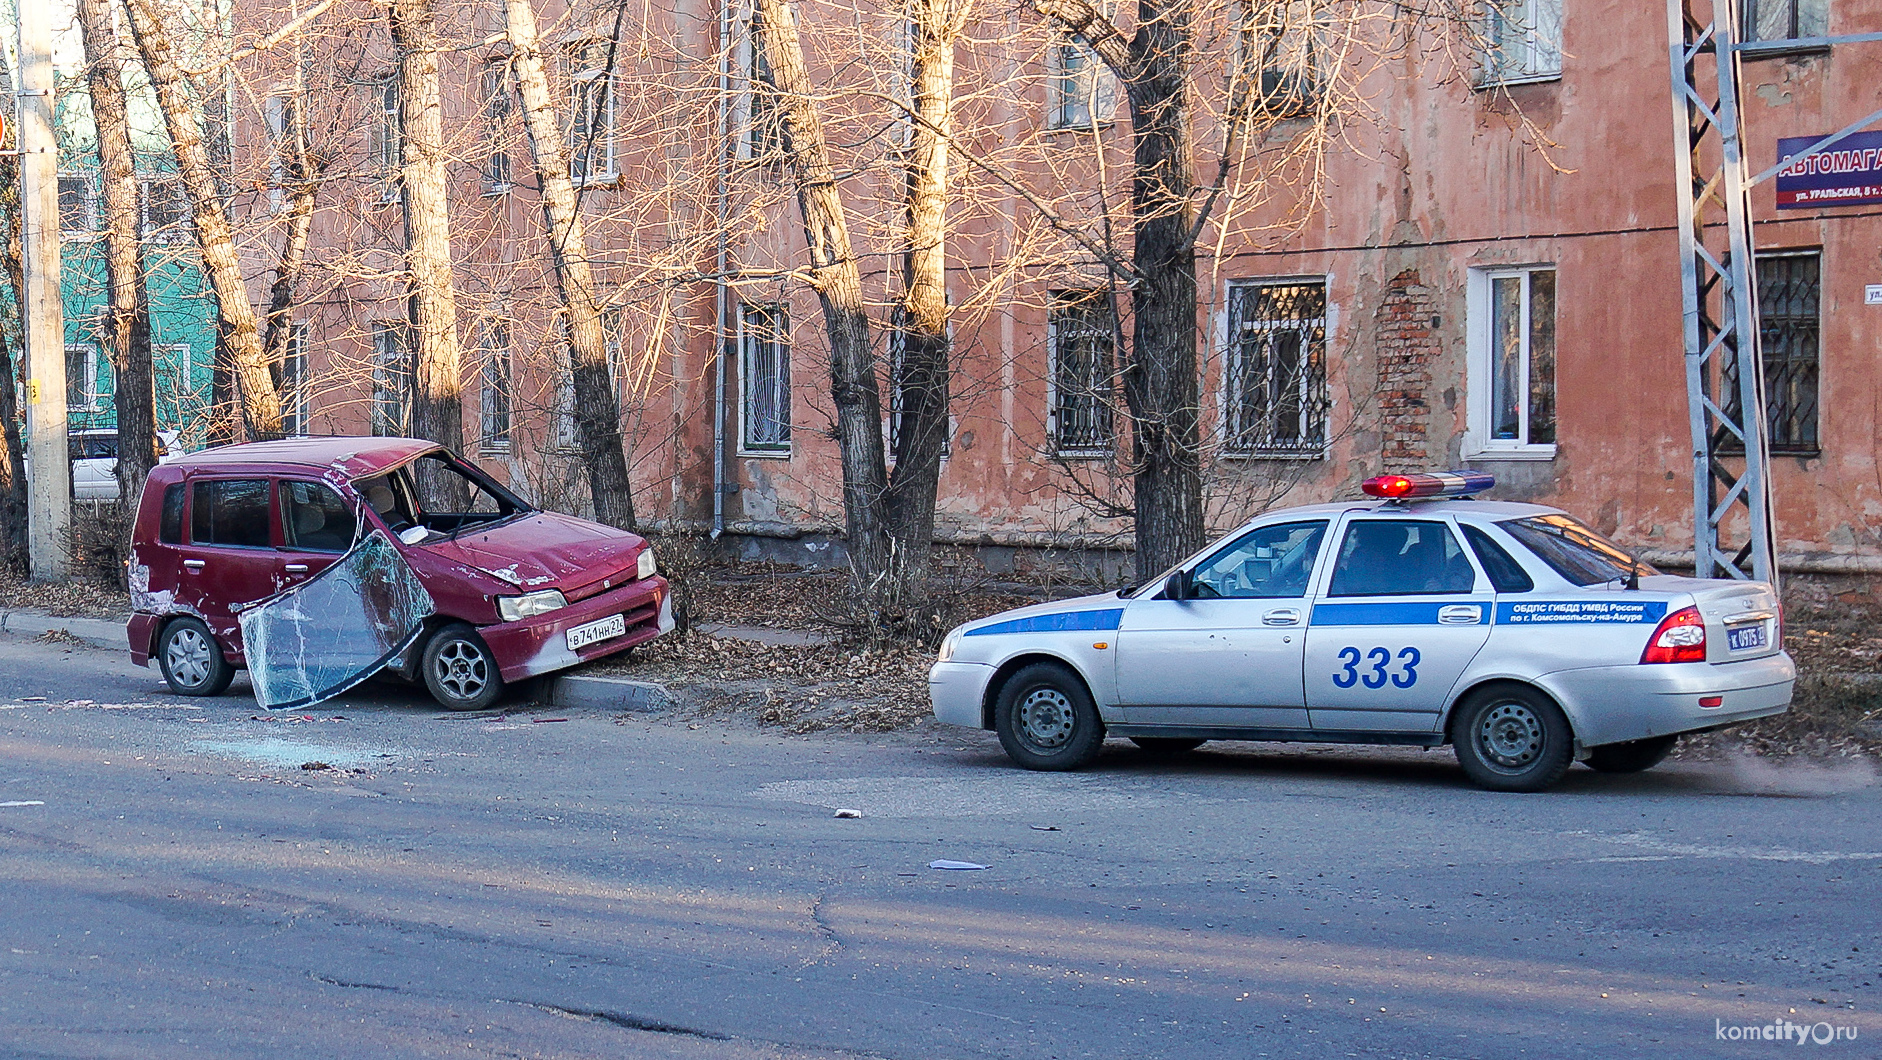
column 1081, row 91
column 294, row 381
column 81, row 378
column 1279, row 43
column 494, row 405
column 567, row 431
column 1276, row 393
column 178, row 395
column 498, row 100
column 1512, row 361
column 764, row 111
column 764, row 340
column 283, row 134
column 78, row 203
column 591, row 112
column 166, row 209
column 1081, row 339
column 387, row 148
column 1790, row 288
column 1522, row 41
column 1778, row 21
column 391, row 378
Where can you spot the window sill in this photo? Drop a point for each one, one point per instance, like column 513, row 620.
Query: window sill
column 1083, row 454
column 764, row 454
column 1525, row 453
column 599, row 180
column 494, row 449
column 1492, row 83
column 1274, row 454
column 1779, row 49
column 1090, row 126
column 496, row 191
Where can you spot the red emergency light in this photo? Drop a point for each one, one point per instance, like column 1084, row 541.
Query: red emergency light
column 1430, row 484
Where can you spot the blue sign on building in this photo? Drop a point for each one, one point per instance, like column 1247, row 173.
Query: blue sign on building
column 1847, row 173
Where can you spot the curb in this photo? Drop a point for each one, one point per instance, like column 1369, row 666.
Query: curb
column 609, row 693
column 95, row 632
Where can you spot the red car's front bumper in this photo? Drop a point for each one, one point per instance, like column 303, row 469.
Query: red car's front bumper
column 539, row 645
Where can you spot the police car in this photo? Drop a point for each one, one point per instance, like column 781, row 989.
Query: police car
column 1420, row 617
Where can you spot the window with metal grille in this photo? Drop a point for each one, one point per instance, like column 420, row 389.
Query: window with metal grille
column 1790, row 288
column 494, row 402
column 391, row 378
column 388, row 145
column 1081, row 331
column 1522, row 41
column 78, row 203
column 591, row 110
column 764, row 340
column 898, row 373
column 1278, row 43
column 567, row 429
column 1276, row 393
column 294, row 381
column 497, row 106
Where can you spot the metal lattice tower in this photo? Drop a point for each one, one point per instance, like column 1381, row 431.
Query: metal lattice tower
column 1724, row 371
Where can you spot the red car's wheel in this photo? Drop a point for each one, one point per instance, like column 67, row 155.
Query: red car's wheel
column 459, row 670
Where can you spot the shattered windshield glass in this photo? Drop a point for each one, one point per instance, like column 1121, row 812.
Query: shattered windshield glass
column 336, row 629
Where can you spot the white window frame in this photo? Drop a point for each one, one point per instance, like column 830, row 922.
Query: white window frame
column 582, row 77
column 149, row 230
column 294, row 380
column 1480, row 372
column 1540, row 50
column 745, row 339
column 496, row 107
column 493, row 352
column 388, row 137
column 89, row 390
column 567, row 435
column 747, row 148
column 277, row 113
column 1097, row 89
column 91, row 219
column 1229, row 342
column 384, row 373
column 180, row 377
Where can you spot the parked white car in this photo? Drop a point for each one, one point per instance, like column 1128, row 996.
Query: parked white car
column 1512, row 632
column 94, row 455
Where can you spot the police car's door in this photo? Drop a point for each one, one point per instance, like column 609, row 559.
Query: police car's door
column 1402, row 613
column 1229, row 654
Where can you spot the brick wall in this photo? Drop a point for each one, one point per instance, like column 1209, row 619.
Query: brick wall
column 1406, row 345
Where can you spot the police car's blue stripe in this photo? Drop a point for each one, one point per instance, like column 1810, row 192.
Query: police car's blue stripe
column 1383, row 614
column 1556, row 612
column 1064, row 622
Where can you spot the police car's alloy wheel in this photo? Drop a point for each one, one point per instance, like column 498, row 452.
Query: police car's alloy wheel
column 459, row 670
column 1046, row 719
column 191, row 660
column 1512, row 738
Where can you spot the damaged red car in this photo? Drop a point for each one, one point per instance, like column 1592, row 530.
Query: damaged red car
column 317, row 562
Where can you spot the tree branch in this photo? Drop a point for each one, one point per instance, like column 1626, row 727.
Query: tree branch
column 1100, row 33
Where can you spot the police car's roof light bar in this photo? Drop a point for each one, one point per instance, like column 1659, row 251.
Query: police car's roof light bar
column 1430, row 484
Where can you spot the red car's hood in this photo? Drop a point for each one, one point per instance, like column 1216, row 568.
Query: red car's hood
column 544, row 550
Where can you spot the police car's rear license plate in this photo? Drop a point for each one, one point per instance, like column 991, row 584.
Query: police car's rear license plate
column 595, row 632
column 1740, row 638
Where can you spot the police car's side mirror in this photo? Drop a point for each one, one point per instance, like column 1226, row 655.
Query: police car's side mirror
column 1177, row 586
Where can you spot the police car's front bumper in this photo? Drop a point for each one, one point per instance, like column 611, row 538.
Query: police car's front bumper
column 958, row 689
column 1610, row 704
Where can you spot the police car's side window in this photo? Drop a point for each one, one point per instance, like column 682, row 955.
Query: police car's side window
column 1400, row 557
column 1274, row 561
column 1506, row 575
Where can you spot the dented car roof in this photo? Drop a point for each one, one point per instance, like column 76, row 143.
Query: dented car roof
column 350, row 457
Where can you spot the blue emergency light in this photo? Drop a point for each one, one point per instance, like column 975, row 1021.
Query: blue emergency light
column 1428, row 484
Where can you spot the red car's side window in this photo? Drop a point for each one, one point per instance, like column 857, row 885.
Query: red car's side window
column 170, row 528
column 314, row 518
column 230, row 512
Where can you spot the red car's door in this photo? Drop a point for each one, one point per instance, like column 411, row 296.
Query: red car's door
column 229, row 558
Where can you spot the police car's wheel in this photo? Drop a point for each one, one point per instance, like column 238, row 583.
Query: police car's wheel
column 1167, row 745
column 191, row 659
column 460, row 672
column 1046, row 719
column 1511, row 738
column 1634, row 756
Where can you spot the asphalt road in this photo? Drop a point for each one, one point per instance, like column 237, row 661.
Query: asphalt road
column 176, row 885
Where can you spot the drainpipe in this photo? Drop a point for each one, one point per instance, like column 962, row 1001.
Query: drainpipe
column 719, row 294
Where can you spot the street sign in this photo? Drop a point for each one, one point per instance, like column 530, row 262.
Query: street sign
column 1847, row 173
column 1872, row 294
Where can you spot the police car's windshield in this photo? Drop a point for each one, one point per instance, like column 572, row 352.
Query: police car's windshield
column 1574, row 551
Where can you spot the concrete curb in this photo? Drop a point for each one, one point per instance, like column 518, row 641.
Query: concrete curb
column 95, row 632
column 609, row 693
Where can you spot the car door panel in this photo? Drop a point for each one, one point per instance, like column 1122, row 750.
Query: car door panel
column 228, row 558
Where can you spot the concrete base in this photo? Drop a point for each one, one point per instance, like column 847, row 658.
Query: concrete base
column 94, row 632
column 606, row 693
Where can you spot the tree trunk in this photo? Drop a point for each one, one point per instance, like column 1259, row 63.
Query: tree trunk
column 437, row 374
column 302, row 183
column 13, row 553
column 128, row 344
column 922, row 383
column 260, row 402
column 597, row 407
column 834, row 276
column 1162, row 387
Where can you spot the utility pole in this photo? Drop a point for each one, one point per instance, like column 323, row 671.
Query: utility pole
column 42, row 310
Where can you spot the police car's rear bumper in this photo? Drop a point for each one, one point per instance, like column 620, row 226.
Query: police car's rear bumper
column 1609, row 704
column 958, row 689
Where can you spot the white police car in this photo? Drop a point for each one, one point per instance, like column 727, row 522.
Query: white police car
column 1511, row 631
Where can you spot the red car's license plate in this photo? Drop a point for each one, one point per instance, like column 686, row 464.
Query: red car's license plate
column 594, row 632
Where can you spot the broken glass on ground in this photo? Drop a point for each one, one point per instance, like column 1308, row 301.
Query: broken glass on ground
column 337, row 628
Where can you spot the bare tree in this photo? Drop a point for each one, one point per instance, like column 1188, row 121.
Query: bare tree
column 597, row 408
column 128, row 338
column 13, row 553
column 260, row 401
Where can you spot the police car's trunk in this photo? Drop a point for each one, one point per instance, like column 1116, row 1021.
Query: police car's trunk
column 1733, row 613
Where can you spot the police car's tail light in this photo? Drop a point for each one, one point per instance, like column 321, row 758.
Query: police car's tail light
column 1680, row 637
column 1432, row 484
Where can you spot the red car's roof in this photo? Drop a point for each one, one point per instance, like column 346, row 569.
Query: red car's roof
column 351, row 457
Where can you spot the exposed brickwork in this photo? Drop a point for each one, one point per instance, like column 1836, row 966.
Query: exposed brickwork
column 1407, row 343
